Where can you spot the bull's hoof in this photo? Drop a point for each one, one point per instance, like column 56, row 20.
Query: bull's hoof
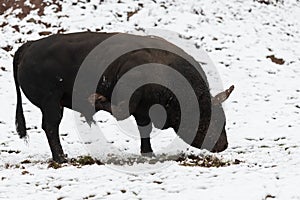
column 148, row 154
column 60, row 158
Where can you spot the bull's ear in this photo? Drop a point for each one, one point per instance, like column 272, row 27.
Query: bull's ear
column 96, row 97
column 221, row 97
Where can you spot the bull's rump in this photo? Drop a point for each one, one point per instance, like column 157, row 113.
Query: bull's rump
column 51, row 63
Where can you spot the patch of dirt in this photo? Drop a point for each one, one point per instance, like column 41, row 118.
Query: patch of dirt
column 131, row 13
column 44, row 33
column 27, row 6
column 85, row 160
column 25, row 172
column 183, row 160
column 7, row 48
column 78, row 162
column 205, row 161
column 25, row 162
column 278, row 61
column 3, row 24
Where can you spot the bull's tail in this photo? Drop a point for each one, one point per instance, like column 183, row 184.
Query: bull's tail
column 20, row 119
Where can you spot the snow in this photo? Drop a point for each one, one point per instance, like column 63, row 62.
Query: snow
column 262, row 113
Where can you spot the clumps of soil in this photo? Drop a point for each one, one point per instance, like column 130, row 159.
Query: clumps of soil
column 44, row 33
column 7, row 48
column 181, row 159
column 85, row 160
column 25, row 172
column 26, row 161
column 131, row 13
column 54, row 165
column 78, row 162
column 3, row 24
column 205, row 161
column 189, row 160
column 278, row 61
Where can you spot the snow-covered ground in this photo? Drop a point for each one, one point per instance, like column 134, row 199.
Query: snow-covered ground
column 263, row 113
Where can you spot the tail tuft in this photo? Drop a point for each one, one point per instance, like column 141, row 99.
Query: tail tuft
column 20, row 119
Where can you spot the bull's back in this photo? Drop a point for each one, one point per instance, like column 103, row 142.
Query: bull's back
column 50, row 64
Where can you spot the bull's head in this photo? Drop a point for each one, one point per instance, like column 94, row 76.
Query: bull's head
column 216, row 134
column 218, row 122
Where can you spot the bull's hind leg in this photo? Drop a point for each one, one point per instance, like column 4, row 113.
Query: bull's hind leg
column 145, row 128
column 52, row 115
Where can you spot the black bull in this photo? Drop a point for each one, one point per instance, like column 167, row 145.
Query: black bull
column 46, row 69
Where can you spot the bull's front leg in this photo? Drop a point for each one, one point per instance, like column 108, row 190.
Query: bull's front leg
column 145, row 128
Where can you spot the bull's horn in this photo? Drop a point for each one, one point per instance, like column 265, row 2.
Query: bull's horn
column 221, row 97
column 96, row 97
